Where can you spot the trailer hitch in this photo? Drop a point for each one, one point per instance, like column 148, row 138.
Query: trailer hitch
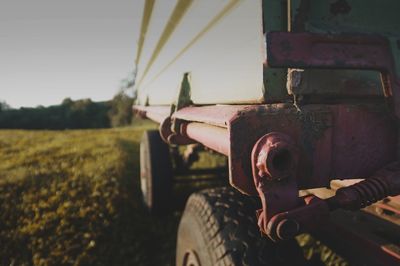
column 284, row 214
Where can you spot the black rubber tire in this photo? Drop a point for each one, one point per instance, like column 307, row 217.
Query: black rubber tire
column 219, row 227
column 155, row 172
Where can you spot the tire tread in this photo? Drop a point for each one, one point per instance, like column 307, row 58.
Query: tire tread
column 226, row 215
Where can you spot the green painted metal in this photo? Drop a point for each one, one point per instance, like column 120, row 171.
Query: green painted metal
column 332, row 83
column 339, row 16
column 275, row 19
column 325, row 16
column 395, row 45
column 184, row 94
column 183, row 100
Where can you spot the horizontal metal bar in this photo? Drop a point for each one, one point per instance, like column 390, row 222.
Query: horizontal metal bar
column 215, row 138
column 340, row 51
column 155, row 113
column 213, row 115
column 233, row 131
column 358, row 232
column 337, row 51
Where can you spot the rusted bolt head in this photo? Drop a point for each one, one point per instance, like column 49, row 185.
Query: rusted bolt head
column 287, row 229
column 261, row 163
column 276, row 161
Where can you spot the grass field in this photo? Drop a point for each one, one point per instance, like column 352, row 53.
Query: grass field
column 72, row 198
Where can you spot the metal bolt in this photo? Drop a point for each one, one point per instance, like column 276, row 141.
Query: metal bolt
column 275, row 162
column 287, row 229
column 261, row 164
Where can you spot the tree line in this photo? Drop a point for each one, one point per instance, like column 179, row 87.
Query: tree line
column 79, row 114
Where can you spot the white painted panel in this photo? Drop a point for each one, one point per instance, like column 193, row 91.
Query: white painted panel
column 161, row 13
column 225, row 63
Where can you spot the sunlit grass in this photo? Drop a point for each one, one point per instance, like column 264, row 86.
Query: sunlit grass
column 72, row 198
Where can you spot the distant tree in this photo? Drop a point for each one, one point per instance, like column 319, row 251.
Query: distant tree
column 121, row 110
column 87, row 114
column 69, row 115
column 127, row 83
column 67, row 102
column 121, row 105
column 4, row 106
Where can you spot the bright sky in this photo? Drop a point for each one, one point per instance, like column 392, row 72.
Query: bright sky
column 53, row 49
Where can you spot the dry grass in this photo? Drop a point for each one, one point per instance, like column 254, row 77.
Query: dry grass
column 72, row 198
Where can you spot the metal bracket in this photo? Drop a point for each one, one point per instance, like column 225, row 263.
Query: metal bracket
column 274, row 164
column 184, row 94
column 170, row 129
column 337, row 51
column 284, row 214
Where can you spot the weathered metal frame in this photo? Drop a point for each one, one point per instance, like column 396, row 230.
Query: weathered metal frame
column 321, row 133
column 322, row 129
column 234, row 131
column 337, row 51
column 317, row 136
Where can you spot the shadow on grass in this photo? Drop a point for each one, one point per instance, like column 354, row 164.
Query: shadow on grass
column 93, row 217
column 137, row 237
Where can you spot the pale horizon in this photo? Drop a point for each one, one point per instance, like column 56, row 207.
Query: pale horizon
column 52, row 50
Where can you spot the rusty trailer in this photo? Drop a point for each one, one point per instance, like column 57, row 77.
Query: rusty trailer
column 297, row 94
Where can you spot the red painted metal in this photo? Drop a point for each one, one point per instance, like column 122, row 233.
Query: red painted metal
column 165, row 129
column 335, row 141
column 292, row 148
column 276, row 157
column 319, row 143
column 366, row 192
column 213, row 137
column 217, row 115
column 155, row 113
column 161, row 115
column 310, row 213
column 330, row 141
column 171, row 137
column 336, row 51
column 276, row 149
column 306, row 215
column 361, row 238
column 274, row 165
column 343, row 51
